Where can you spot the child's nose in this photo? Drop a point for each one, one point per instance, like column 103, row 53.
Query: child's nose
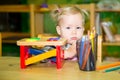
column 74, row 31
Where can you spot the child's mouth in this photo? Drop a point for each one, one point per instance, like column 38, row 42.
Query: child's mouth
column 73, row 38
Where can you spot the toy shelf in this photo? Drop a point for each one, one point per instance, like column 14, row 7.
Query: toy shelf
column 117, row 42
column 116, row 36
column 11, row 37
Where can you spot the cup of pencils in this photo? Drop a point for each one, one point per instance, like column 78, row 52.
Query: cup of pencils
column 87, row 51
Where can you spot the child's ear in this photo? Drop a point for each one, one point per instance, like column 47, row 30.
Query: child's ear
column 58, row 30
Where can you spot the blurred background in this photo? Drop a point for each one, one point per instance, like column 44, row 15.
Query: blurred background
column 19, row 22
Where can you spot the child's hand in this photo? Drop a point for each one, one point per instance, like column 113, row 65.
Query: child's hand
column 70, row 52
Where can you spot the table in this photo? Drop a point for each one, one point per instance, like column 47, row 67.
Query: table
column 10, row 70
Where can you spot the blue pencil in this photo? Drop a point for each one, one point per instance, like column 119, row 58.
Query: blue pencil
column 81, row 49
column 112, row 69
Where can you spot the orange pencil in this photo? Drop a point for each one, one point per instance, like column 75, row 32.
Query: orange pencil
column 108, row 66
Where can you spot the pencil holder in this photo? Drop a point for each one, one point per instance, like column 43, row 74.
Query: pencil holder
column 86, row 51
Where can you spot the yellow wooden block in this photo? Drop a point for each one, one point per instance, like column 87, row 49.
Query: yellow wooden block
column 39, row 57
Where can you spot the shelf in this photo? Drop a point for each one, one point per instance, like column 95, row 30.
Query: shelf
column 12, row 37
column 100, row 10
column 106, row 41
column 31, row 9
column 116, row 43
column 111, row 43
column 117, row 37
column 14, row 8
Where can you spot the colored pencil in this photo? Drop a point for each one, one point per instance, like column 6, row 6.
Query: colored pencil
column 92, row 40
column 81, row 49
column 108, row 66
column 112, row 69
column 86, row 57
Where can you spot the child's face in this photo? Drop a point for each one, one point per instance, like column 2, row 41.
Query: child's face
column 71, row 27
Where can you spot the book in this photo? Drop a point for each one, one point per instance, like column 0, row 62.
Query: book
column 109, row 34
column 98, row 28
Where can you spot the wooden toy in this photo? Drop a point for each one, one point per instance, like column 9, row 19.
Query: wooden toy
column 27, row 59
column 33, row 51
column 40, row 57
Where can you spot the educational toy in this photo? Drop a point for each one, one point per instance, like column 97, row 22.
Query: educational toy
column 26, row 58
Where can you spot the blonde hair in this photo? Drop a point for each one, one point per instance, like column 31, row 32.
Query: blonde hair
column 57, row 13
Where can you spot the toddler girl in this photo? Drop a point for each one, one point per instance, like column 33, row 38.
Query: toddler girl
column 70, row 26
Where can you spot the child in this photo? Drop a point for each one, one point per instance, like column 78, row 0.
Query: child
column 70, row 26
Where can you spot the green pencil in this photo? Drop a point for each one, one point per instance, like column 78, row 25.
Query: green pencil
column 112, row 69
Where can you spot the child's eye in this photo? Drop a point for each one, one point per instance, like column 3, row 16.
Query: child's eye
column 78, row 28
column 67, row 27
